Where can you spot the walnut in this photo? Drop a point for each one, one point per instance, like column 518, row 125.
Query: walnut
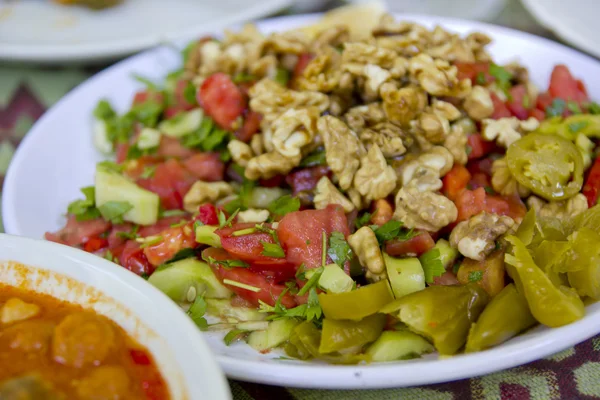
column 424, row 210
column 376, row 76
column 364, row 116
column 475, row 238
column 364, row 244
column 503, row 181
column 356, row 199
column 478, row 104
column 342, row 149
column 424, row 172
column 363, row 54
column 253, row 215
column 326, row 193
column 433, row 127
column 437, row 158
column 388, row 137
column 293, row 130
column 506, row 131
column 456, row 143
column 241, row 153
column 257, row 145
column 446, row 110
column 269, row 164
column 294, row 42
column 322, row 74
column 374, row 179
column 16, row 309
column 564, row 210
column 334, row 36
column 205, row 192
column 438, row 77
column 402, row 105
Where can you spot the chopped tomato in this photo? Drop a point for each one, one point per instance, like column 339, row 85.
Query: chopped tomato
column 222, row 100
column 172, row 241
column 171, row 182
column 303, row 60
column 543, row 101
column 592, row 184
column 446, row 279
column 473, row 71
column 478, row 180
column 264, row 289
column 483, row 165
column 500, row 109
column 248, row 247
column 172, row 147
column 144, row 96
column 94, row 244
column 206, row 166
column 179, row 96
column 132, row 258
column 114, row 238
column 564, row 86
column 160, row 225
column 479, row 146
column 250, row 127
column 519, row 103
column 306, row 179
column 76, row 233
column 472, row 202
column 455, row 181
column 121, row 152
column 275, row 181
column 537, row 114
column 416, row 245
column 469, row 203
column 207, row 214
column 301, row 234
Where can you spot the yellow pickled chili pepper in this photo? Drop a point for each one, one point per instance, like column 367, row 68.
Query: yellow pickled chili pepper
column 356, row 304
column 338, row 335
column 584, row 262
column 550, row 305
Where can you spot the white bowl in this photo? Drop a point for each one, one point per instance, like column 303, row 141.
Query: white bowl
column 57, row 157
column 150, row 317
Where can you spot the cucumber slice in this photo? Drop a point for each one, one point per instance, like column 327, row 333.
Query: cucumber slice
column 182, row 124
column 277, row 333
column 177, row 280
column 398, row 345
column 334, row 280
column 405, row 275
column 225, row 310
column 258, row 340
column 148, row 139
column 205, row 234
column 447, row 253
column 100, row 137
column 262, row 197
column 253, row 325
column 112, row 186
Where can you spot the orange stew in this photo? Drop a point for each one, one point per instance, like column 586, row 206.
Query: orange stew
column 50, row 349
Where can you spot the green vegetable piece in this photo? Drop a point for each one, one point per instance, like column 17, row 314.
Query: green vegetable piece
column 114, row 188
column 506, row 316
column 282, row 76
column 586, row 124
column 183, row 280
column 406, row 275
column 100, row 137
column 432, row 264
column 590, row 218
column 223, row 309
column 252, row 325
column 276, row 333
column 443, row 314
column 503, row 77
column 258, row 340
column 335, row 280
column 584, row 261
column 149, row 138
column 182, row 124
column 527, row 229
column 357, row 304
column 197, row 311
column 313, row 159
column 114, row 211
column 339, row 250
column 85, row 210
column 277, row 202
column 549, row 305
column 104, row 111
column 272, row 250
column 347, row 335
column 205, row 234
column 549, row 165
column 448, row 254
column 398, row 345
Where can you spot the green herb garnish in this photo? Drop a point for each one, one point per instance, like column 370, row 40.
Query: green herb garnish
column 284, row 205
column 113, row 211
column 197, row 311
column 475, row 276
column 339, row 250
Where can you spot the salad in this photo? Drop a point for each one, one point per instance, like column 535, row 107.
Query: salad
column 352, row 193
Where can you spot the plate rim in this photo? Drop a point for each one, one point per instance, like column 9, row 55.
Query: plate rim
column 378, row 375
column 113, row 49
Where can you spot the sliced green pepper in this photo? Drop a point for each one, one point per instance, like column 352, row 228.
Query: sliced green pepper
column 590, row 218
column 549, row 165
column 550, row 305
column 550, row 256
column 506, row 316
column 357, row 304
column 346, row 335
column 584, row 262
column 443, row 314
column 587, row 124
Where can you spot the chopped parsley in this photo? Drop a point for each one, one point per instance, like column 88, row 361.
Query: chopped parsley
column 242, row 77
column 475, row 276
column 132, row 234
column 149, row 241
column 456, row 267
column 317, row 157
column 104, row 111
column 151, row 86
column 223, row 221
column 110, row 257
column 227, row 263
column 85, row 209
column 189, row 93
column 207, row 137
column 503, row 77
column 480, row 78
column 573, row 107
column 282, row 76
column 432, row 265
column 284, row 205
column 468, row 149
column 362, row 220
column 339, row 250
column 391, row 230
column 309, row 311
column 272, row 250
column 197, row 311
column 556, row 109
column 113, row 211
column 489, row 190
column 313, row 307
column 148, row 172
column 111, row 166
column 593, row 108
column 575, row 127
column 312, row 281
column 171, row 213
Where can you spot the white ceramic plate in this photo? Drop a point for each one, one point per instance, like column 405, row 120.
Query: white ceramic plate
column 183, row 357
column 575, row 21
column 42, row 31
column 57, row 158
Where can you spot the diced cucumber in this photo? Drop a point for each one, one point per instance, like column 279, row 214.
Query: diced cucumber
column 334, row 280
column 205, row 234
column 148, row 139
column 100, row 137
column 112, row 186
column 262, row 197
column 405, row 275
column 258, row 340
column 182, row 124
column 253, row 325
column 398, row 345
column 177, row 279
column 447, row 253
column 277, row 333
column 225, row 310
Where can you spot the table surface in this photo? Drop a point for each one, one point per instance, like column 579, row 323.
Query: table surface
column 26, row 91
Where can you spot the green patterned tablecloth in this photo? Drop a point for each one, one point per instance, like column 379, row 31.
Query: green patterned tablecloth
column 27, row 91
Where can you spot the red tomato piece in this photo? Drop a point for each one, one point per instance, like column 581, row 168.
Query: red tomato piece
column 564, row 86
column 479, row 146
column 516, row 103
column 250, row 127
column 268, row 291
column 500, row 109
column 76, row 233
column 121, row 152
column 94, row 244
column 172, row 147
column 306, row 179
column 173, row 240
column 303, row 60
column 160, row 225
column 455, row 181
column 472, row 202
column 543, row 101
column 275, row 181
column 222, row 100
column 483, row 165
column 206, row 166
column 592, row 184
column 301, row 234
column 446, row 279
column 207, row 214
column 116, row 240
column 171, row 182
column 469, row 203
column 478, row 180
column 249, row 247
column 132, row 258
column 537, row 114
column 144, row 96
column 471, row 70
column 179, row 95
column 416, row 245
